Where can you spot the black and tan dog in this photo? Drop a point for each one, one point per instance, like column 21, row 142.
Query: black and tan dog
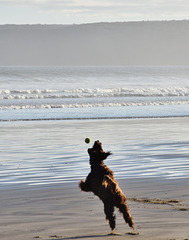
column 101, row 182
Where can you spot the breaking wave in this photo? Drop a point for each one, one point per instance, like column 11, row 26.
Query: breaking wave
column 90, row 98
column 92, row 105
column 96, row 93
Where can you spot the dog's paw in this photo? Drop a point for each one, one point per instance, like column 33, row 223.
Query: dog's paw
column 84, row 186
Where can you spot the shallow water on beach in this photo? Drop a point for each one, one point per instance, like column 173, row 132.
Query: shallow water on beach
column 47, row 152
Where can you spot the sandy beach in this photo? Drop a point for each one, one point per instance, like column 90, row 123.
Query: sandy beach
column 40, row 170
column 159, row 208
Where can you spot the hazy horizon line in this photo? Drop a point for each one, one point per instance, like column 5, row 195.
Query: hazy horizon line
column 71, row 24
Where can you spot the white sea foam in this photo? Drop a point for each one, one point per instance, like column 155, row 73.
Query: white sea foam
column 93, row 105
column 98, row 92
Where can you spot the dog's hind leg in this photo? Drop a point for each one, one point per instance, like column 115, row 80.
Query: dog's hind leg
column 123, row 208
column 109, row 211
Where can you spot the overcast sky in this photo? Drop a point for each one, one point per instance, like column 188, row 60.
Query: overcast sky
column 87, row 11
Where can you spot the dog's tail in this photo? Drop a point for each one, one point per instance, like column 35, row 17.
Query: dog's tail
column 84, row 186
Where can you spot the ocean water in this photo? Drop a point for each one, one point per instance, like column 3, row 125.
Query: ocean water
column 46, row 113
column 34, row 93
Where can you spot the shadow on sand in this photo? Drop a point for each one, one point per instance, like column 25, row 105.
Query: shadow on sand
column 83, row 237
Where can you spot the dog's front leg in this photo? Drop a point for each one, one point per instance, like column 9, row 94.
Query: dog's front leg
column 109, row 212
column 84, row 186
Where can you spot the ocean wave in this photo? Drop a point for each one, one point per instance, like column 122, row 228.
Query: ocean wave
column 94, row 93
column 92, row 105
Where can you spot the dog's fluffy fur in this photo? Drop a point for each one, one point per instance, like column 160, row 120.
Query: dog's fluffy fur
column 101, row 182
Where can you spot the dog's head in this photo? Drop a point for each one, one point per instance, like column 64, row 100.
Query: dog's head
column 96, row 149
column 97, row 146
column 96, row 153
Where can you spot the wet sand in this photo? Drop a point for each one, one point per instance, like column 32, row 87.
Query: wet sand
column 45, row 152
column 160, row 209
column 37, row 203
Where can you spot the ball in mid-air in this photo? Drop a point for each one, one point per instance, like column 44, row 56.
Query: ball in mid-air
column 87, row 140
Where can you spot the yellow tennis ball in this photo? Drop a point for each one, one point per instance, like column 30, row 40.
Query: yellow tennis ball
column 87, row 140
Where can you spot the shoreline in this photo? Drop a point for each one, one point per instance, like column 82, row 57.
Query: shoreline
column 74, row 183
column 62, row 212
column 89, row 118
column 92, row 119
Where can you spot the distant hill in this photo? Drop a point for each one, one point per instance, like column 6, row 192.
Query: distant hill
column 128, row 43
